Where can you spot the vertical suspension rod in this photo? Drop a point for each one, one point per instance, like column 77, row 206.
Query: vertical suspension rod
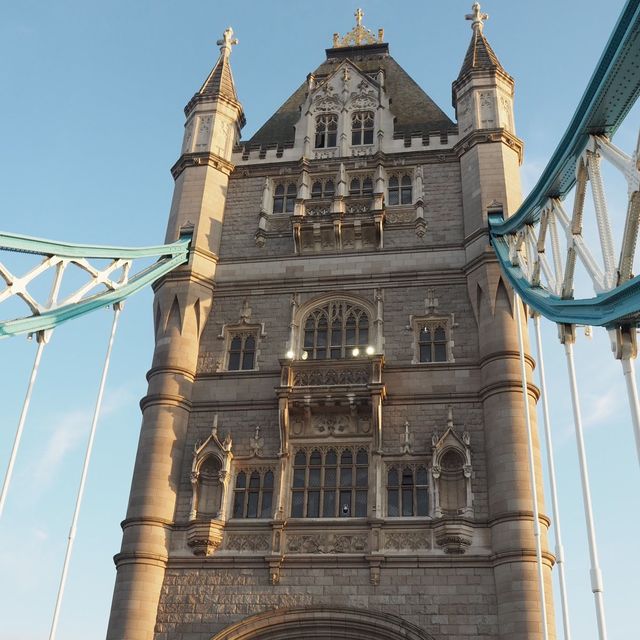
column 23, row 417
column 596, row 575
column 83, row 477
column 532, row 471
column 628, row 369
column 566, row 624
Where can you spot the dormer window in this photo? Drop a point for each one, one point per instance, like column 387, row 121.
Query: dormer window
column 284, row 198
column 362, row 128
column 321, row 189
column 326, row 130
column 361, row 186
column 400, row 190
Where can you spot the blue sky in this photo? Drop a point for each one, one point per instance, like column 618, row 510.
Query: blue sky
column 91, row 122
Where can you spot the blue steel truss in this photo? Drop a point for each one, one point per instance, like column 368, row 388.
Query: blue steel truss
column 169, row 257
column 610, row 94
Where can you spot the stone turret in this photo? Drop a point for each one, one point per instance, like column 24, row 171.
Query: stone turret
column 182, row 303
column 490, row 155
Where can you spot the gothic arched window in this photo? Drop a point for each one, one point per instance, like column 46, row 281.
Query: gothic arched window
column 407, row 491
column 336, row 330
column 361, row 186
column 284, row 198
column 326, row 130
column 210, row 497
column 242, row 352
column 400, row 190
column 330, row 484
column 320, row 189
column 253, row 494
column 432, row 343
column 362, row 128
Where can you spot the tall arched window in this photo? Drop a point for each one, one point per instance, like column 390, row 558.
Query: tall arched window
column 242, row 352
column 284, row 198
column 330, row 484
column 362, row 128
column 400, row 190
column 253, row 494
column 453, row 491
column 326, row 130
column 432, row 343
column 335, row 330
column 407, row 491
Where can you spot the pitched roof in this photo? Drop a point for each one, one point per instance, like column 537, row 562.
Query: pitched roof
column 414, row 110
column 479, row 55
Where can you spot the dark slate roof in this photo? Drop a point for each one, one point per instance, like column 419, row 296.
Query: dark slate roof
column 479, row 55
column 220, row 81
column 414, row 111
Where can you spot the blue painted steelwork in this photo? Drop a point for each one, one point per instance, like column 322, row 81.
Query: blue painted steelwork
column 610, row 94
column 170, row 256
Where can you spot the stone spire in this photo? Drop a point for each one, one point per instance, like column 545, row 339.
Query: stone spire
column 480, row 55
column 219, row 83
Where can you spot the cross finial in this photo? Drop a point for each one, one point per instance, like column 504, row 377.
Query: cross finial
column 227, row 41
column 477, row 18
column 359, row 14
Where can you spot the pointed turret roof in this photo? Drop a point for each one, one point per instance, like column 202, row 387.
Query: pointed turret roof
column 219, row 83
column 480, row 55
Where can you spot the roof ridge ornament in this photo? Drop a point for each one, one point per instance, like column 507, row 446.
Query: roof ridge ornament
column 359, row 35
column 226, row 42
column 477, row 18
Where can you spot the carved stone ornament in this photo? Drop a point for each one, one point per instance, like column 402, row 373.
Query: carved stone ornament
column 247, row 542
column 364, row 97
column 326, row 543
column 326, row 99
column 204, row 538
column 328, row 377
column 402, row 541
column 453, row 536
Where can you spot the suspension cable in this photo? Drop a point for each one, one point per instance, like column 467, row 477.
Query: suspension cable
column 42, row 340
column 532, row 470
column 596, row 575
column 552, row 482
column 117, row 308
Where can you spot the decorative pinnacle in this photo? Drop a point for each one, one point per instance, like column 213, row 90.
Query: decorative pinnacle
column 477, row 18
column 226, row 42
column 359, row 35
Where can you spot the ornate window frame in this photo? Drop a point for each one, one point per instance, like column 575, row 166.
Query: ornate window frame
column 256, row 494
column 360, row 131
column 400, row 188
column 284, row 196
column 329, row 481
column 329, row 134
column 419, row 489
column 323, row 192
column 244, row 328
column 432, row 322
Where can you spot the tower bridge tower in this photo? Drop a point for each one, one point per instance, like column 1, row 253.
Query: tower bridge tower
column 333, row 441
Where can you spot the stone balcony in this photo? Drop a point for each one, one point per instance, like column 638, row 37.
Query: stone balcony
column 331, row 399
column 351, row 223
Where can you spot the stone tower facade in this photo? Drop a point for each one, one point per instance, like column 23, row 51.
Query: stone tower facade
column 333, row 442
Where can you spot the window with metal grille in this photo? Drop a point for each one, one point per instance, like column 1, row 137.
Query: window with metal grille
column 407, row 491
column 432, row 343
column 284, row 198
column 242, row 352
column 330, row 484
column 362, row 128
column 326, row 130
column 400, row 190
column 335, row 330
column 253, row 494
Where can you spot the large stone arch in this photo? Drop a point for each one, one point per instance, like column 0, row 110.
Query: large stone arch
column 323, row 623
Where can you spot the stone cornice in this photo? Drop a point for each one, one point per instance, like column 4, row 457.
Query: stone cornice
column 201, row 159
column 488, row 136
column 165, row 400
